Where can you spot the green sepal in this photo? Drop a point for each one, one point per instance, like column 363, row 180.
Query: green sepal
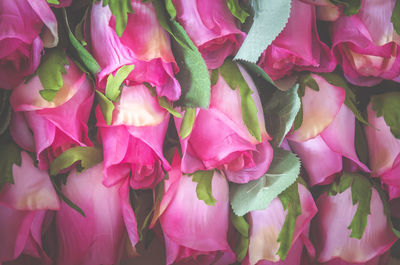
column 88, row 157
column 84, row 56
column 214, row 76
column 257, row 194
column 280, row 113
column 187, row 123
column 270, row 18
column 395, row 18
column 237, row 11
column 66, row 199
column 50, row 72
column 79, row 32
column 234, row 78
column 106, row 107
column 10, row 154
column 290, row 200
column 164, row 103
column 204, row 186
column 5, row 110
column 258, row 71
column 120, row 9
column 142, row 205
column 350, row 100
column 54, row 2
column 351, row 7
column 388, row 106
column 169, row 6
column 114, row 83
column 241, row 225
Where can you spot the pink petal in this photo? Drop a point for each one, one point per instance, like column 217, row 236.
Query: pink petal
column 21, row 133
column 128, row 214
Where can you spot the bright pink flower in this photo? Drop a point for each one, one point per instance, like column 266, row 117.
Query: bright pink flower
column 133, row 143
column 193, row 229
column 49, row 128
column 327, row 131
column 335, row 214
column 326, row 10
column 99, row 237
column 23, row 208
column 144, row 44
column 212, row 28
column 265, row 226
column 297, row 47
column 367, row 45
column 384, row 153
column 220, row 139
column 378, row 260
column 21, row 23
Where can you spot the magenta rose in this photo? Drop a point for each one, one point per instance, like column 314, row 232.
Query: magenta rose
column 23, row 209
column 212, row 28
column 297, row 47
column 26, row 27
column 50, row 128
column 133, row 142
column 366, row 44
column 221, row 140
column 327, row 131
column 144, row 44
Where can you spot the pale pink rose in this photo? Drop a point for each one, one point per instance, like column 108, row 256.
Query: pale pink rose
column 335, row 213
column 378, row 260
column 366, row 45
column 384, row 153
column 221, row 140
column 22, row 39
column 193, row 230
column 144, row 44
column 133, row 142
column 50, row 128
column 99, row 237
column 297, row 47
column 23, row 208
column 265, row 226
column 212, row 28
column 327, row 131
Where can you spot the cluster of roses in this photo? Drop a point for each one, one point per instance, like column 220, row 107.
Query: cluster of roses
column 54, row 214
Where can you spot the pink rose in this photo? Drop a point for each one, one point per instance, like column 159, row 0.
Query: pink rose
column 97, row 238
column 212, row 28
column 21, row 23
column 144, row 44
column 133, row 142
column 384, row 153
column 221, row 140
column 265, row 226
column 23, row 208
column 335, row 213
column 327, row 131
column 297, row 47
column 192, row 229
column 378, row 260
column 366, row 44
column 50, row 128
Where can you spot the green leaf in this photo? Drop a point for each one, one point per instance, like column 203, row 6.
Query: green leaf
column 88, row 157
column 361, row 143
column 351, row 7
column 79, row 32
column 187, row 123
column 299, row 118
column 214, row 77
column 395, row 19
column 106, row 107
column 66, row 199
column 54, row 2
column 270, row 18
column 280, row 113
column 142, row 202
column 50, row 72
column 388, row 106
column 10, row 154
column 257, row 194
column 204, row 186
column 290, row 199
column 254, row 68
column 85, row 57
column 164, row 103
column 350, row 100
column 234, row 78
column 114, row 83
column 170, row 8
column 5, row 110
column 237, row 11
column 241, row 225
column 120, row 9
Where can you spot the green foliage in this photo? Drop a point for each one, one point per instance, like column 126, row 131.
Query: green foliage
column 237, row 11
column 50, row 72
column 10, row 154
column 106, row 107
column 351, row 7
column 114, row 83
column 5, row 110
column 241, row 225
column 234, row 78
column 164, row 103
column 187, row 123
column 204, row 186
column 54, row 2
column 388, row 106
column 120, row 9
column 257, row 194
column 395, row 19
